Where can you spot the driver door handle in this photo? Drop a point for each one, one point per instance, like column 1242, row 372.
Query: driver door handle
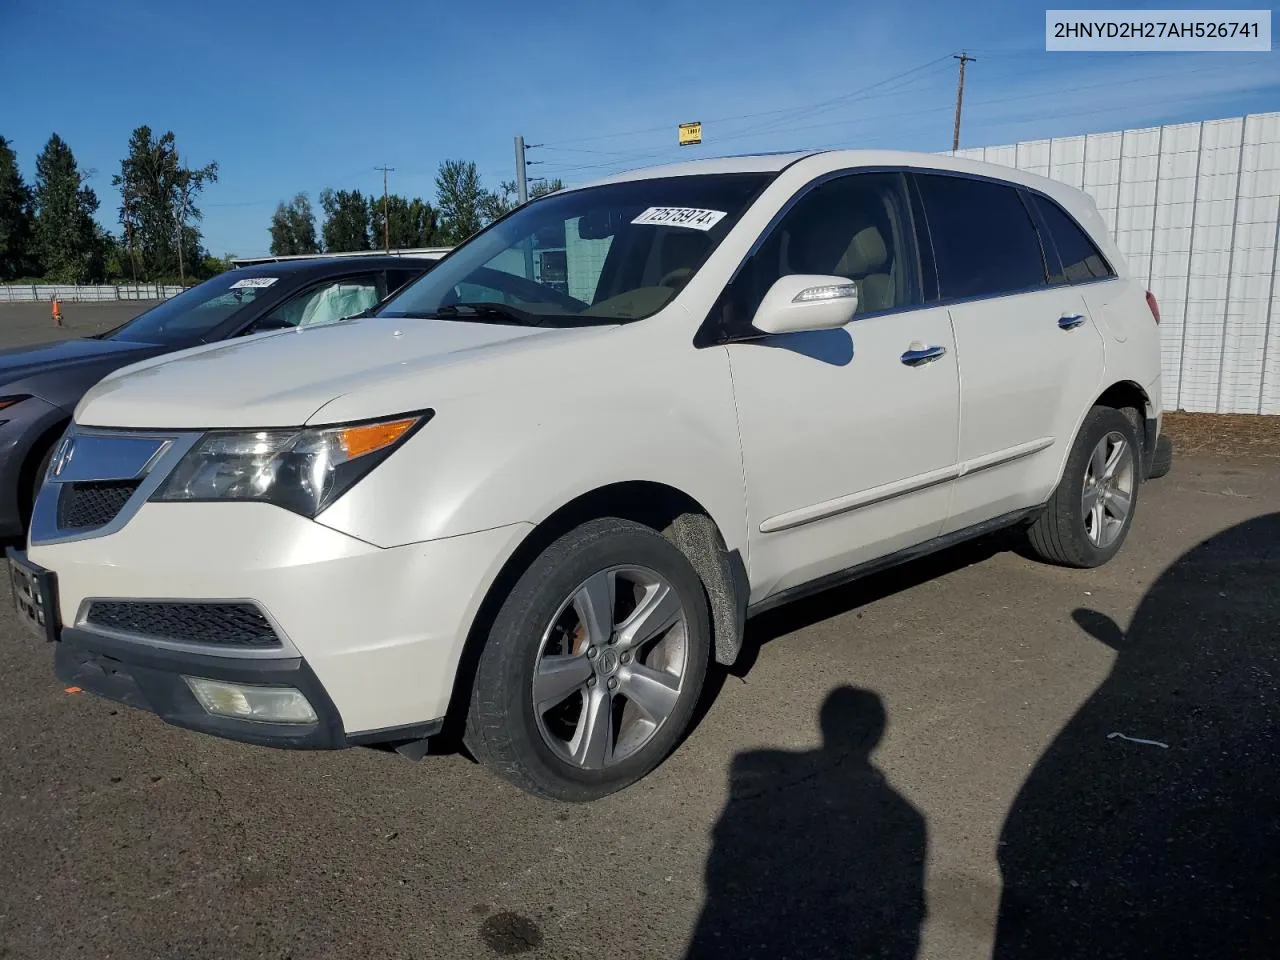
column 917, row 358
column 1070, row 321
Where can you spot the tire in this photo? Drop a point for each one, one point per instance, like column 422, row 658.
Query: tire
column 1064, row 533
column 544, row 627
column 1161, row 458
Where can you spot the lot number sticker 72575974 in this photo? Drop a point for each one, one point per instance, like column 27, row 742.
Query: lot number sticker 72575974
column 691, row 217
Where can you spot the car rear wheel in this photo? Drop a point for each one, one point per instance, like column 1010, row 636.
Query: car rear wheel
column 1088, row 517
column 594, row 664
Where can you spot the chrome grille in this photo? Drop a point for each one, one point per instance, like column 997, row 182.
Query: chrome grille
column 227, row 624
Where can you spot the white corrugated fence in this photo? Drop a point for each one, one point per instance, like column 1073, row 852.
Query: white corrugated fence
column 1195, row 209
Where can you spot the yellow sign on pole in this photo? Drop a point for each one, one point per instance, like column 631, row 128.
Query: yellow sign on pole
column 690, row 134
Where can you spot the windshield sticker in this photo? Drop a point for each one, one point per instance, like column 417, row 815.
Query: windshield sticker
column 690, row 217
column 257, row 282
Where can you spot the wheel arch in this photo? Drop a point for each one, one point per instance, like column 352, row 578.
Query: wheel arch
column 660, row 506
column 1126, row 395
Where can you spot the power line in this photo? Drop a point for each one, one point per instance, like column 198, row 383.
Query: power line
column 1056, row 92
column 750, row 116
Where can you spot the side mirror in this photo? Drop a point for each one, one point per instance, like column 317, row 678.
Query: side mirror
column 802, row 302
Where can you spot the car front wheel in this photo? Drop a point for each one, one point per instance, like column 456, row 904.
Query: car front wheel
column 594, row 663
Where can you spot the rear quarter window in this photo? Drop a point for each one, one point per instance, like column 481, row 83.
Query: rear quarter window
column 984, row 241
column 1079, row 256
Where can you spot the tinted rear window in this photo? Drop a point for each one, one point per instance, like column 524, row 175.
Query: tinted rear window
column 1080, row 258
column 984, row 242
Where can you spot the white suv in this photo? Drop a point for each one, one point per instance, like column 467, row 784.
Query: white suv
column 545, row 485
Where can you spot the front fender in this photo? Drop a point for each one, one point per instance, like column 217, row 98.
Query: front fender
column 486, row 460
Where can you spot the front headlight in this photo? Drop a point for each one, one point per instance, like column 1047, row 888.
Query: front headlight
column 300, row 469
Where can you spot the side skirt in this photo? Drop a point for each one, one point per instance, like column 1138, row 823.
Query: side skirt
column 892, row 560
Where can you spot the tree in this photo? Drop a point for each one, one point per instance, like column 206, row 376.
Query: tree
column 346, row 220
column 16, row 228
column 293, row 228
column 67, row 238
column 543, row 187
column 413, row 223
column 464, row 205
column 504, row 199
column 158, row 209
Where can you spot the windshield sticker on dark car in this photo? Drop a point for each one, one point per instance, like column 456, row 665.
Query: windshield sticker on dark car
column 256, row 282
column 691, row 217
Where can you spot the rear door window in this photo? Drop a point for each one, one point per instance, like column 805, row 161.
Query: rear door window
column 984, row 241
column 1081, row 259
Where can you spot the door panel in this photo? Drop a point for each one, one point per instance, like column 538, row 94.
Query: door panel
column 848, row 451
column 1026, row 381
column 1030, row 354
column 848, row 435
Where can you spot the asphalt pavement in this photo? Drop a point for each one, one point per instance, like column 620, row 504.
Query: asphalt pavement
column 973, row 756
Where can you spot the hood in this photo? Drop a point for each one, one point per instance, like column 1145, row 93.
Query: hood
column 283, row 379
column 21, row 362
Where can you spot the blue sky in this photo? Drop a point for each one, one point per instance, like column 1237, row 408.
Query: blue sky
column 292, row 95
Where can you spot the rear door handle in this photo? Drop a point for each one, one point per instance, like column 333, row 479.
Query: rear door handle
column 1070, row 321
column 916, row 358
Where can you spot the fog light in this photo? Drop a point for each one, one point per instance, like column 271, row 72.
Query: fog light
column 249, row 702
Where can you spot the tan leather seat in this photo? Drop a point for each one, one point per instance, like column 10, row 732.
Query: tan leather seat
column 824, row 246
column 866, row 262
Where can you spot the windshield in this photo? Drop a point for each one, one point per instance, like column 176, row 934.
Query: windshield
column 193, row 313
column 603, row 255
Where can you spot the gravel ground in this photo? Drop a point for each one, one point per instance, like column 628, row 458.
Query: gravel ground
column 1224, row 435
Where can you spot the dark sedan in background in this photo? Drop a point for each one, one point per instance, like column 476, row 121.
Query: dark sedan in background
column 41, row 385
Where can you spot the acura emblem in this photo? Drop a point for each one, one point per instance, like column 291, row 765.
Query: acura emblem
column 62, row 456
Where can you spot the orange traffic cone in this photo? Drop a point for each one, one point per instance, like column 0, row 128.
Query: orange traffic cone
column 57, row 312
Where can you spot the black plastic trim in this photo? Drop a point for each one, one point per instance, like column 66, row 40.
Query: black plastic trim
column 150, row 678
column 892, row 560
column 411, row 731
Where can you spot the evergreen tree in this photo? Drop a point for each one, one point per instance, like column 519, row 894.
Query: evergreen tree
column 16, row 228
column 67, row 239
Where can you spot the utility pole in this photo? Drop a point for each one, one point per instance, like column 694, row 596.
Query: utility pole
column 386, row 222
column 522, row 182
column 179, row 216
column 963, row 58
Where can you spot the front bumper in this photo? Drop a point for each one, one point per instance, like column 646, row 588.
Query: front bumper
column 151, row 679
column 371, row 636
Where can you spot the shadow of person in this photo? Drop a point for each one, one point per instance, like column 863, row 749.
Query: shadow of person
column 815, row 854
column 1115, row 848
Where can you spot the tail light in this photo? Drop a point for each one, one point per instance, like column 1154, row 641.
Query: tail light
column 1153, row 306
